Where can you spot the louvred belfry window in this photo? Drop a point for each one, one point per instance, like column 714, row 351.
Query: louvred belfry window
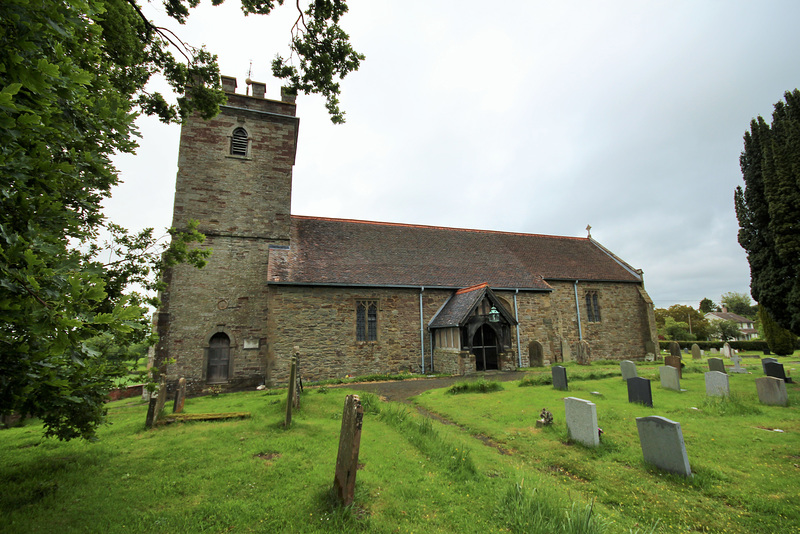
column 239, row 142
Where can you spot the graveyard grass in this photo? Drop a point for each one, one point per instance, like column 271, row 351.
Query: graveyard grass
column 491, row 471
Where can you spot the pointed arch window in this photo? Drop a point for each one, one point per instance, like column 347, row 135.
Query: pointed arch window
column 366, row 320
column 592, row 307
column 239, row 142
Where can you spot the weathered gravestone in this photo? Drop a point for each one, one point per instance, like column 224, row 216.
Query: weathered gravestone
column 566, row 352
column 670, row 377
column 581, row 416
column 685, row 350
column 650, row 357
column 726, row 350
column 716, row 364
column 674, row 361
column 559, row 373
column 180, row 396
column 584, row 356
column 639, row 391
column 717, row 384
column 662, row 444
column 156, row 404
column 776, row 370
column 628, row 369
column 344, row 481
column 535, row 354
column 772, row 391
column 736, row 359
column 650, row 348
column 292, row 393
column 714, row 350
column 696, row 355
column 765, row 361
column 675, row 348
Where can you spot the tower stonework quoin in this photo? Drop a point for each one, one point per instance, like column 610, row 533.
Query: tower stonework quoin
column 235, row 179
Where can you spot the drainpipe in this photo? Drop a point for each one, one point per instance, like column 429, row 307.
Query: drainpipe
column 422, row 329
column 430, row 344
column 578, row 309
column 516, row 316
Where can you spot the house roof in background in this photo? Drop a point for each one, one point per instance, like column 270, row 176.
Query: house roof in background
column 351, row 252
column 728, row 316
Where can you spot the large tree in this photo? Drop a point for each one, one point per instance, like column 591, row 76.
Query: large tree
column 768, row 209
column 740, row 304
column 73, row 77
column 779, row 340
column 687, row 323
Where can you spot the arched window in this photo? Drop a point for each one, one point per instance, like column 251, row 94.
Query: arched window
column 219, row 357
column 592, row 307
column 239, row 142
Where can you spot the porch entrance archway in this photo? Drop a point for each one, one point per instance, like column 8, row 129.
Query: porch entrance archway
column 484, row 347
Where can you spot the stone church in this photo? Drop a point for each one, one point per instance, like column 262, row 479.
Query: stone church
column 361, row 297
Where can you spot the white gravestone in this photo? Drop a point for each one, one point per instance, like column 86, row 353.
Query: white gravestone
column 670, row 379
column 628, row 369
column 717, row 384
column 581, row 417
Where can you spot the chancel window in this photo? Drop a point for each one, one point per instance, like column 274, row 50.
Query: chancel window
column 592, row 307
column 239, row 142
column 366, row 320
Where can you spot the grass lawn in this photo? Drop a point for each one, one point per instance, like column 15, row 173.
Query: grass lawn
column 418, row 474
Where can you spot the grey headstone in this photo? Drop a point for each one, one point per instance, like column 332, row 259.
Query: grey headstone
column 581, row 417
column 772, row 391
column 559, row 377
column 566, row 352
column 674, row 361
column 639, row 391
column 584, row 356
column 736, row 359
column 344, row 481
column 650, row 357
column 714, row 350
column 662, row 444
column 670, row 379
column 535, row 354
column 717, row 384
column 764, row 361
column 776, row 370
column 675, row 348
column 628, row 369
column 650, row 347
column 726, row 350
column 696, row 353
column 180, row 396
column 716, row 364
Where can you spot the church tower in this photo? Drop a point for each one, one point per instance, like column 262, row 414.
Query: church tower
column 235, row 179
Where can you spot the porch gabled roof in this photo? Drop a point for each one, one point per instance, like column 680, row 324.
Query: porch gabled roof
column 458, row 308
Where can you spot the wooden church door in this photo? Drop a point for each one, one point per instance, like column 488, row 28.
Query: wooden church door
column 484, row 346
column 219, row 354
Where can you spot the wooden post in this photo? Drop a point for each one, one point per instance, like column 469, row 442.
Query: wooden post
column 292, row 393
column 180, row 396
column 344, row 481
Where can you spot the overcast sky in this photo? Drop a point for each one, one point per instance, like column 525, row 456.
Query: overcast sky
column 521, row 116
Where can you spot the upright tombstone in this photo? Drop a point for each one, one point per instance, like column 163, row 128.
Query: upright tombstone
column 581, row 417
column 559, row 373
column 674, row 361
column 156, row 404
column 736, row 359
column 772, row 391
column 776, row 370
column 639, row 391
column 662, row 444
column 765, row 361
column 716, row 364
column 290, row 398
column 675, row 349
column 180, row 396
column 535, row 354
column 717, row 384
column 726, row 350
column 670, row 377
column 696, row 354
column 344, row 481
column 584, row 353
column 714, row 350
column 628, row 369
column 650, row 348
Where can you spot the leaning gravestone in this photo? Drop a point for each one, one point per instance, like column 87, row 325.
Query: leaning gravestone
column 581, row 417
column 772, row 391
column 670, row 377
column 717, row 384
column 716, row 364
column 180, row 396
column 628, row 369
column 535, row 354
column 765, row 361
column 675, row 348
column 559, row 373
column 674, row 361
column 639, row 391
column 344, row 481
column 696, row 355
column 726, row 350
column 662, row 444
column 776, row 370
column 156, row 404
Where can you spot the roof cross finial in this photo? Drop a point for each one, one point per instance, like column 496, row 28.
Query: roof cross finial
column 589, row 230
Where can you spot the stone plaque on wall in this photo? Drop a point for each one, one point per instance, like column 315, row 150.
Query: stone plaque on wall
column 251, row 343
